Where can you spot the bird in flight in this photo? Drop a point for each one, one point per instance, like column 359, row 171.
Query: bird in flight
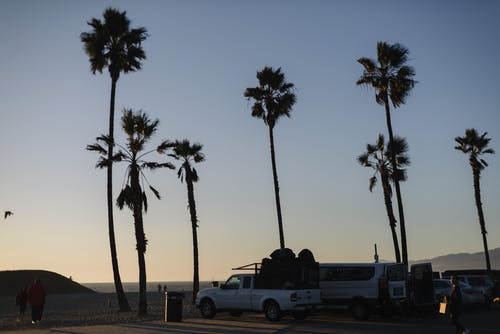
column 7, row 213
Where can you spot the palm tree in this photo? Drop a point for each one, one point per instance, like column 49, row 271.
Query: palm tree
column 377, row 158
column 273, row 98
column 112, row 44
column 189, row 153
column 392, row 80
column 139, row 129
column 476, row 146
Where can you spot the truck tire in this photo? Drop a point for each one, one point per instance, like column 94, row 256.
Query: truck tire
column 207, row 309
column 272, row 311
column 359, row 310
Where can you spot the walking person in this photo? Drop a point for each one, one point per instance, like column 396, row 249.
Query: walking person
column 21, row 302
column 456, row 306
column 36, row 298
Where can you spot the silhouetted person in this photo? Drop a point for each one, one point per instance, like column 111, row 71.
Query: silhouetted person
column 21, row 302
column 456, row 306
column 36, row 298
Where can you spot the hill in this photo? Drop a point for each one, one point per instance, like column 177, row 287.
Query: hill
column 11, row 281
column 463, row 261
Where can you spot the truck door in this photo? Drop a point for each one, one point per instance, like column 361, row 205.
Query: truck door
column 228, row 293
column 245, row 293
column 422, row 285
column 396, row 281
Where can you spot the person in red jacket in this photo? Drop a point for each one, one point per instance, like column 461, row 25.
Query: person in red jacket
column 36, row 298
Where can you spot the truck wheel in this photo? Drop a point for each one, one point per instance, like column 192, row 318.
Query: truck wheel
column 272, row 311
column 207, row 309
column 359, row 311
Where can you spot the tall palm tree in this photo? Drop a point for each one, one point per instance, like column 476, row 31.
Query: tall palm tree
column 114, row 45
column 273, row 98
column 139, row 129
column 188, row 154
column 377, row 157
column 392, row 80
column 476, row 146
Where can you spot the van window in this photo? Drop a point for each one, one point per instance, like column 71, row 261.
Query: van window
column 396, row 272
column 346, row 273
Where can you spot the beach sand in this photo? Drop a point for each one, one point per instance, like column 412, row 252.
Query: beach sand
column 89, row 309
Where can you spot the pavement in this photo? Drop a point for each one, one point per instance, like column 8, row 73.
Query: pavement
column 480, row 322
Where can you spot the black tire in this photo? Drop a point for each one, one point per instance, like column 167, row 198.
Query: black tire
column 359, row 311
column 299, row 315
column 207, row 309
column 272, row 311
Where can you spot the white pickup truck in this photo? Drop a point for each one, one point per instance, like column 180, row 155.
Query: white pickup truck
column 238, row 294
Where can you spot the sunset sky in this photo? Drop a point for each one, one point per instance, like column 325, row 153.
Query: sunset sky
column 201, row 56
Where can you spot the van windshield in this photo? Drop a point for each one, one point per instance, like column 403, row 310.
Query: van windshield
column 395, row 272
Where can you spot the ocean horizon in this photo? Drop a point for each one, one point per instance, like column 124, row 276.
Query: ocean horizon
column 109, row 287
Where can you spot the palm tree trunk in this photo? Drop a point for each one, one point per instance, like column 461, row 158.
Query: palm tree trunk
column 390, row 215
column 402, row 225
column 479, row 205
column 120, row 293
column 140, row 238
column 194, row 224
column 276, row 189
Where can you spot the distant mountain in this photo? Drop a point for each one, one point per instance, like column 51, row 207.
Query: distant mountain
column 463, row 261
column 11, row 281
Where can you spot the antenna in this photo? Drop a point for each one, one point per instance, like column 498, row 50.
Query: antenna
column 375, row 257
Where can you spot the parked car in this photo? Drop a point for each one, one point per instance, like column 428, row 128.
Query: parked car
column 363, row 287
column 470, row 296
column 481, row 284
column 240, row 294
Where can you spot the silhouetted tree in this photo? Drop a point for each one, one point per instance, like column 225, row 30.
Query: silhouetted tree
column 377, row 157
column 189, row 153
column 273, row 98
column 112, row 44
column 392, row 80
column 139, row 129
column 476, row 146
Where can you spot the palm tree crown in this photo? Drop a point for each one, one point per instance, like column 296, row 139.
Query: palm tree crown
column 378, row 157
column 187, row 153
column 390, row 78
column 273, row 97
column 475, row 146
column 112, row 44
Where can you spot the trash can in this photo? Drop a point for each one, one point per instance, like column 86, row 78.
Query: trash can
column 173, row 306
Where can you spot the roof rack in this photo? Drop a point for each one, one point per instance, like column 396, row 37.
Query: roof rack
column 256, row 267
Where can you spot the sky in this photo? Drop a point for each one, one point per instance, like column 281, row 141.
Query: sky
column 201, row 56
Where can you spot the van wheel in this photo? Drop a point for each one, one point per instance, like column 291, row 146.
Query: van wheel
column 207, row 309
column 272, row 311
column 359, row 311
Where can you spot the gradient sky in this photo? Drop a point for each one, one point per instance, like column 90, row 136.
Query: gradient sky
column 201, row 55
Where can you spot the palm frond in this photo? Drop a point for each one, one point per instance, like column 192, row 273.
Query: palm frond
column 373, row 182
column 156, row 192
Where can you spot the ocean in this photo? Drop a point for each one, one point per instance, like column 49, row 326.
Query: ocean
column 150, row 286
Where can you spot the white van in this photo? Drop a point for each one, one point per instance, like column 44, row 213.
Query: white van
column 363, row 287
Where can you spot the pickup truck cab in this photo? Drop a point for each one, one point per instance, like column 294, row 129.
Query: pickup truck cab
column 238, row 294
